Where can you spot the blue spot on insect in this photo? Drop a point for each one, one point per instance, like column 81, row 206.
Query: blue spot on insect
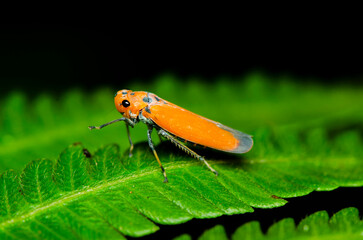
column 147, row 109
column 147, row 100
column 132, row 94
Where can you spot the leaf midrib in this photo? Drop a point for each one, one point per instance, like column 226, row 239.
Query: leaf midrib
column 38, row 184
column 6, row 195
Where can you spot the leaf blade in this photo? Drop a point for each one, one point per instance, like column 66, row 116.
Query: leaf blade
column 36, row 181
column 71, row 171
column 137, row 190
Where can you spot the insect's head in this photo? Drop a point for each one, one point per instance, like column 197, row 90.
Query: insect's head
column 128, row 103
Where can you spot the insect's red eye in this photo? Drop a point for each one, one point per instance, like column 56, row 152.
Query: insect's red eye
column 125, row 103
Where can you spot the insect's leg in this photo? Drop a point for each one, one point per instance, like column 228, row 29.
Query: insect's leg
column 129, row 136
column 151, row 145
column 186, row 149
column 128, row 121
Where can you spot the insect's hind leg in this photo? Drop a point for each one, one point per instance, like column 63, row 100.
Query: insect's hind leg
column 151, row 145
column 186, row 149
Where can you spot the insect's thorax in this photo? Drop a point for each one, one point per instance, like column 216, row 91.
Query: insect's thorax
column 138, row 106
column 144, row 119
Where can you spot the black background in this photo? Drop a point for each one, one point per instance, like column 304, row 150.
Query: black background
column 38, row 57
column 53, row 57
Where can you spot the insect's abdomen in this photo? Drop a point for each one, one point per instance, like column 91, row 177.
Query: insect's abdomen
column 194, row 128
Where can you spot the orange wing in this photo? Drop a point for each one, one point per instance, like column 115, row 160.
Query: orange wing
column 197, row 129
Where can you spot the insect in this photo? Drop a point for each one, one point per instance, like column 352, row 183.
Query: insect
column 177, row 125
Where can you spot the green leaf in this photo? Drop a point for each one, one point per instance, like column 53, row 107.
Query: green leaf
column 106, row 196
column 307, row 138
column 37, row 183
column 215, row 233
column 39, row 127
column 345, row 224
column 105, row 163
column 183, row 237
column 11, row 199
column 71, row 169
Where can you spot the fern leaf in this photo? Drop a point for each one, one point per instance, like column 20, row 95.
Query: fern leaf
column 11, row 199
column 36, row 181
column 71, row 170
column 309, row 147
column 108, row 197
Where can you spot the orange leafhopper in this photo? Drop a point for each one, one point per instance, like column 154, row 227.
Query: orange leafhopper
column 176, row 124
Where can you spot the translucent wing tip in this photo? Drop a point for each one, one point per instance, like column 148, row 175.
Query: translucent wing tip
column 245, row 140
column 245, row 143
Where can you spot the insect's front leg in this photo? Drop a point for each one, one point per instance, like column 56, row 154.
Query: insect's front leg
column 151, row 145
column 129, row 136
column 128, row 123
